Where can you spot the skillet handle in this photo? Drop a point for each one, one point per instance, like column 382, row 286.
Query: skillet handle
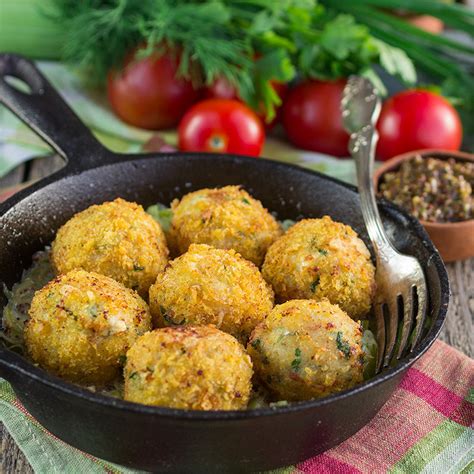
column 47, row 114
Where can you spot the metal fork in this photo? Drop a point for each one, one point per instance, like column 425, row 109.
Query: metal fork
column 401, row 285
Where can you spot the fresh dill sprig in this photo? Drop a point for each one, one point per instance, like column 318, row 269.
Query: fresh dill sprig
column 102, row 32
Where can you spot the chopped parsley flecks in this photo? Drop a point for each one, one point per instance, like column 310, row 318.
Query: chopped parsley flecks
column 287, row 223
column 137, row 268
column 246, row 201
column 256, row 344
column 69, row 312
column 122, row 359
column 343, row 345
column 323, row 252
column 133, row 375
column 166, row 316
column 295, row 364
column 169, row 318
column 283, row 334
column 314, row 285
column 93, row 310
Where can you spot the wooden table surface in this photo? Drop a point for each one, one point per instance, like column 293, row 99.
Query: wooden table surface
column 458, row 330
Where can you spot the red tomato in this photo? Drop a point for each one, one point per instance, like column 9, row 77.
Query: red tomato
column 147, row 93
column 221, row 125
column 222, row 89
column 417, row 119
column 312, row 118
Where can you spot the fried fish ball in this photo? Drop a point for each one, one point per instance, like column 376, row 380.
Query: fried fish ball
column 320, row 258
column 117, row 239
column 211, row 286
column 307, row 349
column 82, row 324
column 227, row 218
column 190, row 367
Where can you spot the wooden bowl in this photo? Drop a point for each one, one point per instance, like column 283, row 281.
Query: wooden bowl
column 454, row 240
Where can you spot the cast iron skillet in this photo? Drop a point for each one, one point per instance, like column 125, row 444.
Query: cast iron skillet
column 162, row 439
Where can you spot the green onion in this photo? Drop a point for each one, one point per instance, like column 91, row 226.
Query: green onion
column 402, row 27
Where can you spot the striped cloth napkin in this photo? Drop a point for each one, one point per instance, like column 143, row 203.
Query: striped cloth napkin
column 425, row 427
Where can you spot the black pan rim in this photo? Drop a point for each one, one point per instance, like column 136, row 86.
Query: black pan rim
column 22, row 366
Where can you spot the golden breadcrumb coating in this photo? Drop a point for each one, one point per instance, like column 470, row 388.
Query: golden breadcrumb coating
column 118, row 239
column 320, row 258
column 306, row 349
column 190, row 367
column 82, row 324
column 228, row 218
column 211, row 286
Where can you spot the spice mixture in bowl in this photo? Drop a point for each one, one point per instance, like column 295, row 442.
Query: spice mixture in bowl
column 432, row 189
column 436, row 187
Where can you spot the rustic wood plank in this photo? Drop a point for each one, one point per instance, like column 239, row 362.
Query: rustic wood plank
column 459, row 327
column 13, row 461
column 32, row 171
column 13, row 177
column 43, row 167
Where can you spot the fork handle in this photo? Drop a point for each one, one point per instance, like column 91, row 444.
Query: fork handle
column 362, row 147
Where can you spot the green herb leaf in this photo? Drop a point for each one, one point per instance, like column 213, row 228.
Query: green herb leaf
column 343, row 345
column 295, row 364
column 133, row 375
column 168, row 317
column 287, row 223
column 137, row 268
column 93, row 310
column 162, row 214
column 122, row 359
column 273, row 65
column 342, row 36
column 314, row 285
column 369, row 347
column 370, row 74
column 396, row 62
column 256, row 344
